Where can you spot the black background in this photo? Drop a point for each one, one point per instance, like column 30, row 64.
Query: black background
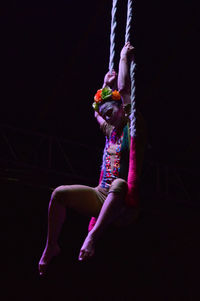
column 53, row 59
column 54, row 56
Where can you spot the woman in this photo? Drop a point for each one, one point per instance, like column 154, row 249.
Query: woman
column 106, row 201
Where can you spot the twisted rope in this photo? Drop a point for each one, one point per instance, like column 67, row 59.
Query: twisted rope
column 132, row 69
column 129, row 20
column 132, row 75
column 112, row 35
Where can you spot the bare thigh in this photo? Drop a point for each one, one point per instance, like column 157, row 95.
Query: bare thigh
column 83, row 199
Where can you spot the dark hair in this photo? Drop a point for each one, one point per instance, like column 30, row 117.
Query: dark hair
column 111, row 101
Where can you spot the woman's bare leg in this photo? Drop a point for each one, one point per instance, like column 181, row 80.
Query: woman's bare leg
column 110, row 210
column 81, row 198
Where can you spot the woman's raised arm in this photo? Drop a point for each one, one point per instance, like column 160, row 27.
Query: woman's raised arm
column 124, row 84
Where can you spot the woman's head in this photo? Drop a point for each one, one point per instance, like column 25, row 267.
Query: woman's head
column 111, row 111
column 108, row 105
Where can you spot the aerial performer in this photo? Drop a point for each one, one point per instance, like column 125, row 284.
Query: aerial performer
column 115, row 199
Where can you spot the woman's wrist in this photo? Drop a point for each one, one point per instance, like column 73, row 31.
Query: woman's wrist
column 124, row 58
column 106, row 84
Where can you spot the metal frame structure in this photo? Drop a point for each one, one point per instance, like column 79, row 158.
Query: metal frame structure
column 31, row 156
column 24, row 152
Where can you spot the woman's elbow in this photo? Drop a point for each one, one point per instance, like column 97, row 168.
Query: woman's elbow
column 124, row 91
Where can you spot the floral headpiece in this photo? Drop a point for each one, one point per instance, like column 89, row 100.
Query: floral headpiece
column 104, row 94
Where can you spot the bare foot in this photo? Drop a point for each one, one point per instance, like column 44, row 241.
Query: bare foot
column 48, row 253
column 87, row 249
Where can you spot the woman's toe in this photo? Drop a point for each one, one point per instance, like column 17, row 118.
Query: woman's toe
column 42, row 268
column 82, row 255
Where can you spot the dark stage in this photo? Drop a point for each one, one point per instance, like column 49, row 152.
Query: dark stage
column 53, row 59
column 155, row 259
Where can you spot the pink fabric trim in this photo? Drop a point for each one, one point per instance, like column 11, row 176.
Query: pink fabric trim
column 91, row 223
column 101, row 176
column 132, row 197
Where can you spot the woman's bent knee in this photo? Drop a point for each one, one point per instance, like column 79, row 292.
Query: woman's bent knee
column 59, row 195
column 119, row 186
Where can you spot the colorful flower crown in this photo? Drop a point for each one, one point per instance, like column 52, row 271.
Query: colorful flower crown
column 105, row 94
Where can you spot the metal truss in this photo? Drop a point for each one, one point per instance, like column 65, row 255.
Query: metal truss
column 48, row 159
column 24, row 152
column 170, row 182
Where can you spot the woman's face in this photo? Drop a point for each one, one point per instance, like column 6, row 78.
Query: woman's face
column 112, row 113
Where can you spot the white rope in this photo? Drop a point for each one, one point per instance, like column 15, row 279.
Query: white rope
column 133, row 105
column 128, row 20
column 112, row 35
column 132, row 70
column 112, row 55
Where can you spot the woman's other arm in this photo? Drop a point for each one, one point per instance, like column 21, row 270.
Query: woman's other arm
column 124, row 84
